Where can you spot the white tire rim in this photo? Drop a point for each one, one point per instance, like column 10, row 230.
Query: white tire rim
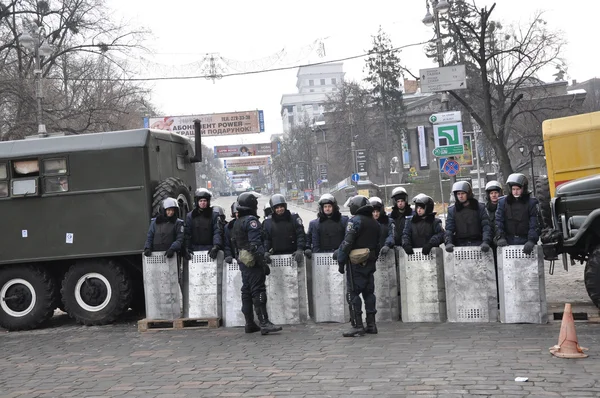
column 80, row 300
column 6, row 308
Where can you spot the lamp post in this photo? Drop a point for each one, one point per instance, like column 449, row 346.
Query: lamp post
column 41, row 49
column 531, row 153
column 439, row 8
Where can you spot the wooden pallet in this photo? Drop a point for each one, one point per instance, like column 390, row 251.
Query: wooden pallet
column 145, row 325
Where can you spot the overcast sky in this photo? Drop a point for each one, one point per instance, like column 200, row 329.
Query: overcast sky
column 252, row 33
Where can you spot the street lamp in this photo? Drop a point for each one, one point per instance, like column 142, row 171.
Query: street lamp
column 439, row 8
column 531, row 153
column 40, row 50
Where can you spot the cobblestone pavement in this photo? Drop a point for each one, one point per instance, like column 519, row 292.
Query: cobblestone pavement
column 442, row 360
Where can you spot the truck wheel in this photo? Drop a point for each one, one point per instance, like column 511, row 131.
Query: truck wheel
column 542, row 188
column 96, row 292
column 172, row 188
column 592, row 276
column 26, row 297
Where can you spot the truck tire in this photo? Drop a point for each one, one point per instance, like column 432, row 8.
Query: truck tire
column 26, row 297
column 592, row 276
column 172, row 188
column 542, row 188
column 96, row 292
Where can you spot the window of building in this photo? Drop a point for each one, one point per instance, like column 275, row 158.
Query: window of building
column 315, row 107
column 311, row 82
column 333, row 81
column 312, row 91
column 291, row 119
column 322, row 82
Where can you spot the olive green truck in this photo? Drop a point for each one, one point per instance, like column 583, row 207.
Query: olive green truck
column 75, row 213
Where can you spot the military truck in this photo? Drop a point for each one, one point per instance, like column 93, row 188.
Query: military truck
column 75, row 214
column 570, row 196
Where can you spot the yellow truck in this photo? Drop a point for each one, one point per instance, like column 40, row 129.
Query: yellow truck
column 570, row 196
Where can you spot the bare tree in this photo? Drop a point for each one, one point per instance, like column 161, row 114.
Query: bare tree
column 505, row 61
column 86, row 80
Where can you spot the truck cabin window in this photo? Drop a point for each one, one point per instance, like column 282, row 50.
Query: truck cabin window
column 3, row 171
column 25, row 175
column 55, row 166
column 26, row 168
column 4, row 189
column 56, row 184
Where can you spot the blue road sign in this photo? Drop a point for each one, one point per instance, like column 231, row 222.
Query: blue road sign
column 355, row 177
column 442, row 163
column 319, row 181
column 451, row 167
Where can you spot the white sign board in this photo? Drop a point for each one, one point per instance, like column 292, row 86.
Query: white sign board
column 443, row 78
column 445, row 117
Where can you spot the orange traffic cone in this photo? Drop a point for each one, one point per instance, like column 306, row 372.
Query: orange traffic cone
column 567, row 346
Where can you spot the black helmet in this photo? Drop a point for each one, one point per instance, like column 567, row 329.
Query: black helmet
column 357, row 203
column 399, row 193
column 376, row 202
column 234, row 207
column 492, row 186
column 327, row 199
column 267, row 210
column 247, row 201
column 220, row 211
column 276, row 200
column 202, row 193
column 424, row 201
column 462, row 186
column 519, row 180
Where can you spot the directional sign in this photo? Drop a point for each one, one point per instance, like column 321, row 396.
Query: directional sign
column 361, row 161
column 445, row 117
column 451, row 167
column 319, row 181
column 355, row 177
column 443, row 78
column 448, row 150
column 442, row 162
column 323, row 172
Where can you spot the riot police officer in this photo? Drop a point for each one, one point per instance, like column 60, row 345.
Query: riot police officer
column 166, row 231
column 386, row 240
column 203, row 230
column 362, row 232
column 284, row 231
column 467, row 223
column 267, row 210
column 228, row 250
column 328, row 229
column 222, row 220
column 493, row 192
column 400, row 210
column 517, row 215
column 248, row 247
column 423, row 229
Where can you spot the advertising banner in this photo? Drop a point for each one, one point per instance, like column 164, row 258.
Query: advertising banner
column 231, row 151
column 247, row 161
column 214, row 124
column 423, row 161
column 466, row 159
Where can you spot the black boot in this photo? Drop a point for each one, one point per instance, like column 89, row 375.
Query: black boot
column 371, row 326
column 266, row 326
column 357, row 330
column 251, row 326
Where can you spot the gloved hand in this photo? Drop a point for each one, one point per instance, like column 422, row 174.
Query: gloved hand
column 213, row 252
column 147, row 252
column 228, row 259
column 170, row 253
column 502, row 242
column 485, row 247
column 188, row 254
column 308, row 253
column 267, row 258
column 427, row 248
column 449, row 247
column 408, row 250
column 334, row 255
column 299, row 256
column 528, row 247
column 267, row 269
column 384, row 251
column 341, row 268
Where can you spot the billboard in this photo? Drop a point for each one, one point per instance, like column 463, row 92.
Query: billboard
column 214, row 124
column 231, row 151
column 466, row 159
column 247, row 161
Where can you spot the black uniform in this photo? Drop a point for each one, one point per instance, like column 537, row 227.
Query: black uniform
column 165, row 234
column 284, row 233
column 399, row 217
column 363, row 231
column 468, row 225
